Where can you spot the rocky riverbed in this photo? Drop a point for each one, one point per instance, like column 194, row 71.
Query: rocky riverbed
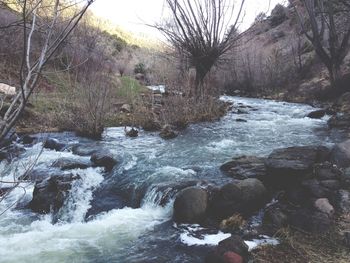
column 263, row 166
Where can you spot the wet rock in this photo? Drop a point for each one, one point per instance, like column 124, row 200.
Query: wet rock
column 340, row 121
column 323, row 205
column 84, row 150
column 10, row 152
column 232, row 257
column 318, row 114
column 327, row 171
column 133, row 133
column 126, row 108
column 190, row 205
column 239, row 111
column 70, row 164
column 289, row 166
column 50, row 194
column 27, row 139
column 234, row 244
column 340, row 154
column 53, row 144
column 331, row 184
column 275, row 218
column 310, row 220
column 315, row 189
column 167, row 133
column 104, row 159
column 244, row 167
column 244, row 197
column 35, row 175
column 343, row 201
column 241, row 120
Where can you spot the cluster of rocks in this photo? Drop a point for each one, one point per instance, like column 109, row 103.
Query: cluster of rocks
column 52, row 186
column 309, row 185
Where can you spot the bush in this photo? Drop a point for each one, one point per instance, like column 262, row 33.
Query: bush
column 140, row 68
column 278, row 15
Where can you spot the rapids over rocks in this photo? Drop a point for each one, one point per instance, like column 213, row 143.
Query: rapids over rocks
column 125, row 215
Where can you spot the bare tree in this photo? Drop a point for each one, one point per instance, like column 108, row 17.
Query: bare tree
column 200, row 31
column 329, row 23
column 53, row 21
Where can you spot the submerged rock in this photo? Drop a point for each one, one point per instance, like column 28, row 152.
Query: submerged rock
column 53, row 144
column 50, row 194
column 318, row 114
column 104, row 159
column 244, row 167
column 84, row 150
column 167, row 133
column 27, row 139
column 70, row 164
column 132, row 132
column 190, row 205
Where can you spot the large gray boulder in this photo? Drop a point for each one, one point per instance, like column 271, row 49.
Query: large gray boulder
column 289, row 166
column 104, row 159
column 244, row 167
column 190, row 205
column 341, row 154
column 245, row 197
column 50, row 194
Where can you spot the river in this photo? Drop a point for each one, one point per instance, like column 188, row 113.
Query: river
column 118, row 217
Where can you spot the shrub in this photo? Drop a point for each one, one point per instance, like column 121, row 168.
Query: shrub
column 140, row 68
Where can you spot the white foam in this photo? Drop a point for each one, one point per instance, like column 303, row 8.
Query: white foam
column 205, row 240
column 264, row 241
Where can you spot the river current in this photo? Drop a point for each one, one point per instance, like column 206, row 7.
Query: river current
column 122, row 216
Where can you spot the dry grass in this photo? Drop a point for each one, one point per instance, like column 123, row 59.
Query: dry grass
column 301, row 247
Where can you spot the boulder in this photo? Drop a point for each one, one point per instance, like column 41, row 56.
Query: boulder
column 318, row 114
column 232, row 257
column 7, row 89
column 314, row 189
column 104, row 159
column 84, row 150
column 167, row 133
column 234, row 244
column 274, row 218
column 50, row 194
column 289, row 166
column 190, row 205
column 27, row 139
column 244, row 167
column 340, row 121
column 331, row 184
column 327, row 171
column 53, row 144
column 340, row 154
column 323, row 205
column 70, row 164
column 35, row 175
column 245, row 197
column 310, row 220
column 125, row 108
column 133, row 133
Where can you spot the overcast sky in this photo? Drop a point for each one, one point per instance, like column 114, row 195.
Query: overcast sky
column 133, row 14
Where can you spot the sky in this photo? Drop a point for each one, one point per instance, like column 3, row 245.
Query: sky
column 132, row 15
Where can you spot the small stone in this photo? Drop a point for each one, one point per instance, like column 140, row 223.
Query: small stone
column 324, row 206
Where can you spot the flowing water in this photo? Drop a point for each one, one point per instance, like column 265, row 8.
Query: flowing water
column 123, row 216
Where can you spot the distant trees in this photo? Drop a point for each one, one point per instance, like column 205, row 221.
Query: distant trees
column 202, row 31
column 327, row 26
column 53, row 21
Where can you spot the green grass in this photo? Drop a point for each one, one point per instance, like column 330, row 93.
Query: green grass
column 130, row 88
